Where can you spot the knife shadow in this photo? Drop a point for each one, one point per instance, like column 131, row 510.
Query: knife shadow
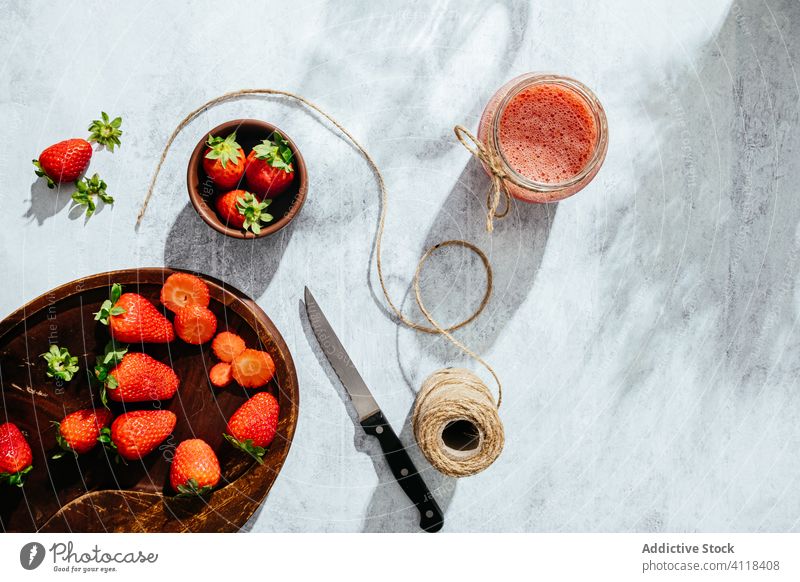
column 389, row 510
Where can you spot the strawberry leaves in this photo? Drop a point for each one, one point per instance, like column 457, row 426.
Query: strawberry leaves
column 42, row 174
column 87, row 189
column 61, row 442
column 61, row 365
column 276, row 152
column 105, row 364
column 192, row 489
column 17, row 479
column 109, row 307
column 253, row 212
column 248, row 447
column 225, row 150
column 106, row 131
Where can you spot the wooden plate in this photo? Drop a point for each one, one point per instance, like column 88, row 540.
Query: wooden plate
column 93, row 493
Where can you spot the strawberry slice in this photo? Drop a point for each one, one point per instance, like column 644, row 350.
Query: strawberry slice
column 221, row 375
column 227, row 346
column 253, row 368
column 182, row 289
column 195, row 324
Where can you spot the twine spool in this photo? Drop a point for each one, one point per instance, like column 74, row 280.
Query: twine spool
column 453, row 404
column 456, row 423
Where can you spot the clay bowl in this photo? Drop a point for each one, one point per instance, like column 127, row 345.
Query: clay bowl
column 203, row 192
column 92, row 493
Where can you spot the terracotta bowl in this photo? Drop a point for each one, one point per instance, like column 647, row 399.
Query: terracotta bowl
column 203, row 192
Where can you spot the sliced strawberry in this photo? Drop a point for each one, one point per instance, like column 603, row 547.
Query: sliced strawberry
column 195, row 324
column 227, row 346
column 182, row 289
column 253, row 368
column 220, row 375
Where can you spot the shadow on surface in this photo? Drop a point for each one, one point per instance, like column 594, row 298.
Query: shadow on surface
column 249, row 265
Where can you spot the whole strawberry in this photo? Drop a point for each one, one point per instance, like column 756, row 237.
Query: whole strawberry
column 65, row 161
column 253, row 426
column 269, row 167
column 136, row 434
column 195, row 468
column 134, row 377
column 133, row 319
column 15, row 455
column 78, row 432
column 241, row 209
column 224, row 161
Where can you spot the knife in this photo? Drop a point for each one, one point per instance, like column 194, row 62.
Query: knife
column 373, row 421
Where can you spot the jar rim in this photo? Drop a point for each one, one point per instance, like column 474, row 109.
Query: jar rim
column 594, row 106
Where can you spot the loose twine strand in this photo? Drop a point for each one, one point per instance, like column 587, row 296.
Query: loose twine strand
column 447, row 392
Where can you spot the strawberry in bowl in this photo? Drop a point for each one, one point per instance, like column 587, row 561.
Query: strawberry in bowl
column 224, row 161
column 269, row 168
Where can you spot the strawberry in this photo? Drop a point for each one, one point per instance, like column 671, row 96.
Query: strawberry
column 253, row 368
column 241, row 209
column 136, row 434
column 134, row 377
column 133, row 319
column 195, row 324
column 224, row 161
column 253, row 426
column 15, row 455
column 195, row 468
column 227, row 346
column 220, row 375
column 181, row 289
column 269, row 167
column 78, row 432
column 65, row 161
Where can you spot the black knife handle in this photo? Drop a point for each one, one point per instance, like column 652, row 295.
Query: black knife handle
column 404, row 471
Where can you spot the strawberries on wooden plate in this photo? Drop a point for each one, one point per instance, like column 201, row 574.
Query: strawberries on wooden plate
column 154, row 360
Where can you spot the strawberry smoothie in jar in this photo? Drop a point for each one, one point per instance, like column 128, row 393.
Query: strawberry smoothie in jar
column 548, row 132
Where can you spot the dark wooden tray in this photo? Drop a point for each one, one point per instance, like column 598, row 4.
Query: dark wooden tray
column 93, row 493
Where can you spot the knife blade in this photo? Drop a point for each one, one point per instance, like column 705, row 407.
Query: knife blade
column 372, row 419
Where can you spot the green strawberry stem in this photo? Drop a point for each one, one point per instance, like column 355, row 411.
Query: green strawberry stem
column 104, row 365
column 106, row 131
column 61, row 365
column 253, row 212
column 87, row 189
column 42, row 174
column 109, row 308
column 18, row 478
column 248, row 447
column 105, row 440
column 61, row 442
column 276, row 152
column 192, row 489
column 225, row 150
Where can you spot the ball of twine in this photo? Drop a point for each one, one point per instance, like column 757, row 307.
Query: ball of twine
column 448, row 398
column 451, row 397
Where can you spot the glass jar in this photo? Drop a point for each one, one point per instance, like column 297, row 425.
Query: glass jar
column 576, row 93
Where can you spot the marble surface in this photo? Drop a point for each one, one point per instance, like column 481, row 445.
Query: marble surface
column 644, row 329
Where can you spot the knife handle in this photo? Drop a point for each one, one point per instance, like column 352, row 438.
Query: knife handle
column 404, row 471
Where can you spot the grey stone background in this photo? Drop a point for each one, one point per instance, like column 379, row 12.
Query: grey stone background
column 644, row 329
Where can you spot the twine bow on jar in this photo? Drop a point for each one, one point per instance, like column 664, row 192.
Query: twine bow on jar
column 494, row 166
